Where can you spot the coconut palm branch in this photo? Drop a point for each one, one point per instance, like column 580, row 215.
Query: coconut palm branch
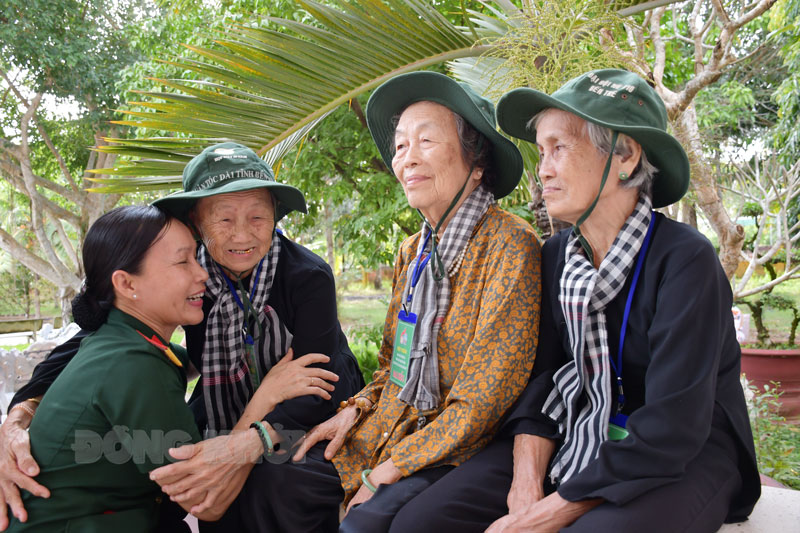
column 267, row 88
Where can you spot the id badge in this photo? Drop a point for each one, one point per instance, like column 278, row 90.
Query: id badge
column 252, row 361
column 403, row 341
column 616, row 427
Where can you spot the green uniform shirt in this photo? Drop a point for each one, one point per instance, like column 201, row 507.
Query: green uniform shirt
column 107, row 421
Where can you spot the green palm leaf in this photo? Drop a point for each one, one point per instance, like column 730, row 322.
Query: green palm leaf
column 267, row 88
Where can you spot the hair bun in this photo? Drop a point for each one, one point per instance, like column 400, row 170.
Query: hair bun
column 87, row 312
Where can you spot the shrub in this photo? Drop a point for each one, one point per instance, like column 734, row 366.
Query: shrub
column 365, row 342
column 777, row 443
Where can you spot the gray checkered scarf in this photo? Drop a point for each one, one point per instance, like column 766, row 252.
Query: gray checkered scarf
column 226, row 382
column 581, row 400
column 431, row 300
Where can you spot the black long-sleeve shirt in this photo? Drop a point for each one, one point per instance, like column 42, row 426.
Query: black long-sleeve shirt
column 304, row 297
column 681, row 365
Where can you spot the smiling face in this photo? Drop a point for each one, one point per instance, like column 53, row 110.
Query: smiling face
column 236, row 228
column 428, row 160
column 170, row 284
column 571, row 167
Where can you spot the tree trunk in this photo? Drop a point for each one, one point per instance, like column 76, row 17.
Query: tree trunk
column 704, row 185
column 327, row 217
column 37, row 301
column 65, row 295
column 547, row 226
column 688, row 213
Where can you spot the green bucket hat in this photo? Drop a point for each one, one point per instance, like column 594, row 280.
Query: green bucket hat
column 618, row 100
column 224, row 168
column 401, row 91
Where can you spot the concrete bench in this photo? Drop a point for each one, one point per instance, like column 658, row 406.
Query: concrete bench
column 778, row 511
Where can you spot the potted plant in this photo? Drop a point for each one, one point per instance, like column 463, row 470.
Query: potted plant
column 770, row 193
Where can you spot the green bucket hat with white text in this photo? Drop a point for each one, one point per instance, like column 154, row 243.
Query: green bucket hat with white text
column 395, row 95
column 229, row 167
column 618, row 100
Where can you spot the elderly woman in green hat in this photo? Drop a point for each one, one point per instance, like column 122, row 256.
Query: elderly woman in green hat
column 634, row 418
column 266, row 297
column 460, row 333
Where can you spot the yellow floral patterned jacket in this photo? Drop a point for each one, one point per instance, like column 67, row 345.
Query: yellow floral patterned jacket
column 486, row 347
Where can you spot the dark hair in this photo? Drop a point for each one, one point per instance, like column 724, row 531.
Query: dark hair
column 469, row 138
column 117, row 240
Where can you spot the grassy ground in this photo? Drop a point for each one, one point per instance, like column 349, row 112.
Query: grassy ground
column 361, row 307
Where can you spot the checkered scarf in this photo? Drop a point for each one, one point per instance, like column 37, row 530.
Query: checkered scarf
column 431, row 300
column 581, row 400
column 226, row 383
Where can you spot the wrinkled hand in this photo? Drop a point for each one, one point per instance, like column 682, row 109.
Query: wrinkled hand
column 229, row 492
column 17, row 467
column 523, row 494
column 209, row 472
column 291, row 378
column 531, row 457
column 334, row 429
column 383, row 474
column 548, row 515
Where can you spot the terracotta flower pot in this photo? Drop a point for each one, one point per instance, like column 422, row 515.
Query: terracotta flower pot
column 762, row 366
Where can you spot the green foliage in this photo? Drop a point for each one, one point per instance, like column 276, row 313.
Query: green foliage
column 785, row 22
column 69, row 48
column 752, row 209
column 727, row 104
column 365, row 343
column 18, row 287
column 349, row 189
column 255, row 75
column 777, row 443
column 763, row 301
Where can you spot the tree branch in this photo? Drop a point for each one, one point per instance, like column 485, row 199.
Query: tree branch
column 356, row 107
column 62, row 165
column 15, row 171
column 14, row 89
column 27, row 258
column 659, row 48
column 36, row 199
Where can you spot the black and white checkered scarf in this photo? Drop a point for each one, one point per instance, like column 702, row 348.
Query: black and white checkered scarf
column 581, row 400
column 431, row 299
column 226, row 381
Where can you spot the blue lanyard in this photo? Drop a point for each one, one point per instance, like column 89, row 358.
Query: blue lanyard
column 617, row 366
column 233, row 289
column 421, row 263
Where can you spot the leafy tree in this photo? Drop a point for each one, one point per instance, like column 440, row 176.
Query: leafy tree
column 86, row 53
column 267, row 85
column 67, row 50
column 786, row 133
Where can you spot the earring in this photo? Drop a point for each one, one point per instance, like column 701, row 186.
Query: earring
column 623, row 176
column 134, row 296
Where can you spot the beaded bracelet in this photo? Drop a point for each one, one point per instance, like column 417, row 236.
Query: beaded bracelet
column 264, row 436
column 361, row 403
column 365, row 479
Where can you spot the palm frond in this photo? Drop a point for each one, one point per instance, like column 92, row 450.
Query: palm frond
column 267, row 88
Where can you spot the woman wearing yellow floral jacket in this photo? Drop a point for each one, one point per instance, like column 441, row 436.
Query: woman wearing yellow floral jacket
column 461, row 330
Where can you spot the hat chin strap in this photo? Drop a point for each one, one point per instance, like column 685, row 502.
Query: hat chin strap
column 438, row 264
column 576, row 228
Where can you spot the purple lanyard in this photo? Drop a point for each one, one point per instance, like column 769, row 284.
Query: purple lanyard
column 617, row 366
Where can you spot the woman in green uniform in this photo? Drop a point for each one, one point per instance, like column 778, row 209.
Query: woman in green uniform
column 117, row 408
